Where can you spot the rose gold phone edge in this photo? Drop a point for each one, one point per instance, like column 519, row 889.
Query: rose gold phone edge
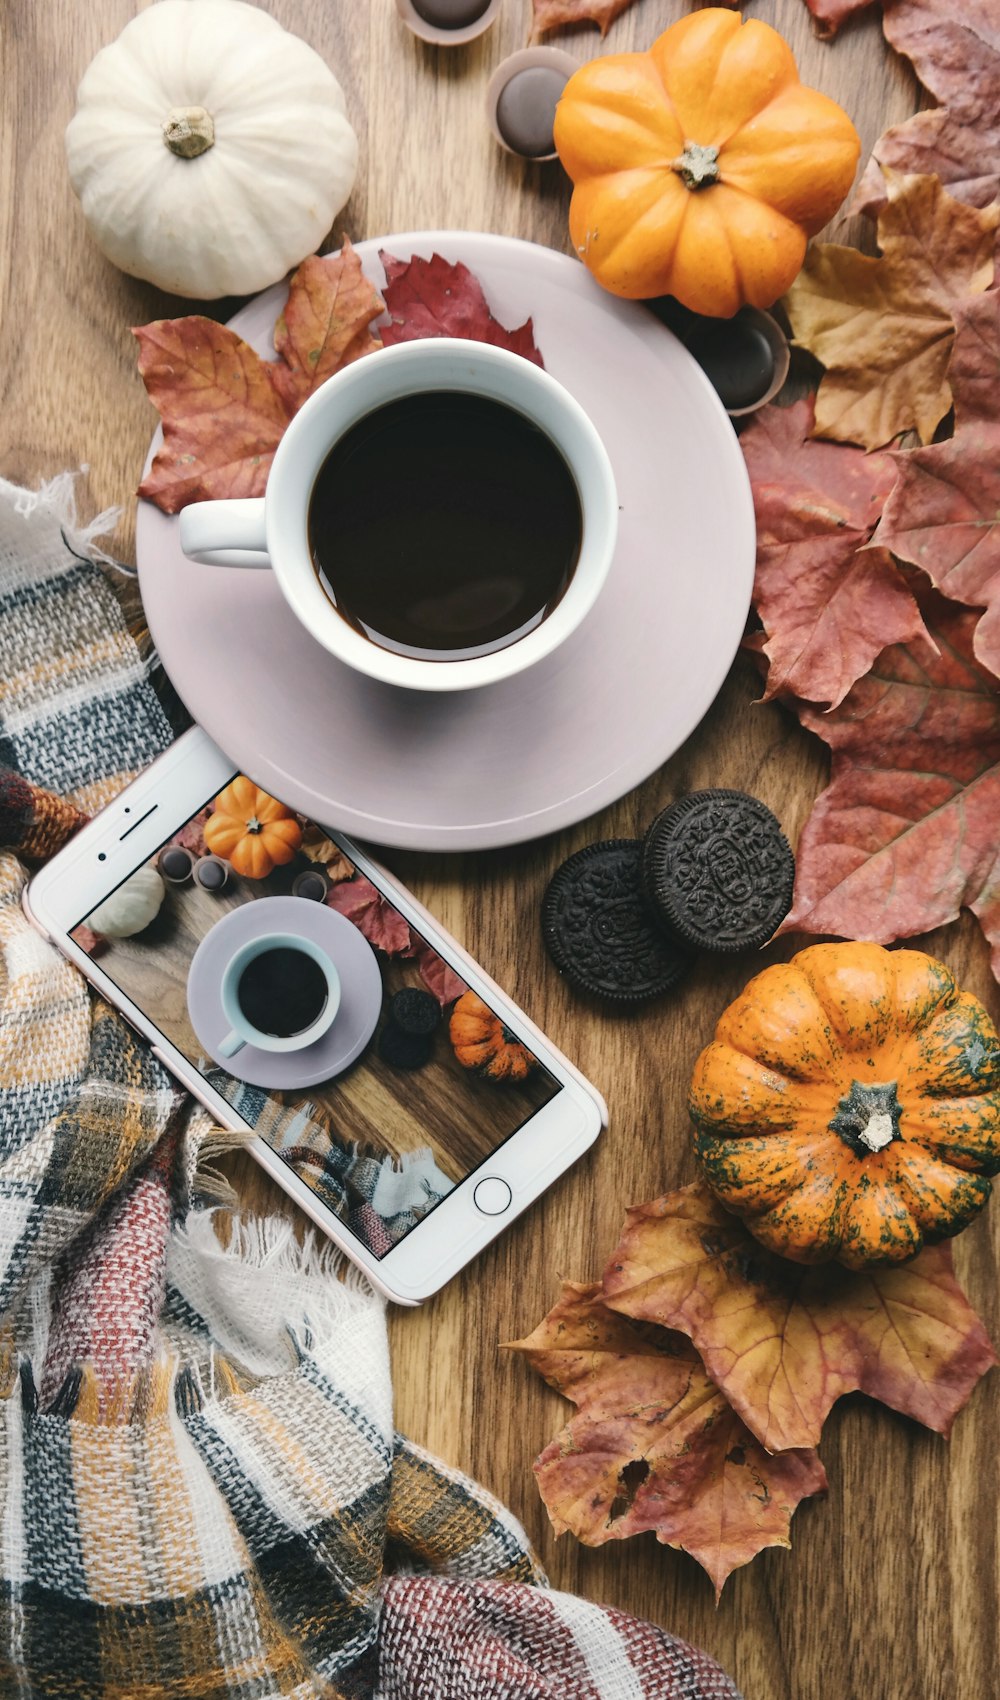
column 577, row 1091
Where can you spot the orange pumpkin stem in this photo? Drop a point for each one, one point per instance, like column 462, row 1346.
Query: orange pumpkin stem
column 698, row 166
column 868, row 1118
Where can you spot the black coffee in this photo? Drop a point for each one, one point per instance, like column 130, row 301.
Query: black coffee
column 282, row 991
column 444, row 526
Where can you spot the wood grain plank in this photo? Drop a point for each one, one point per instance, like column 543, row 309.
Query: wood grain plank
column 890, row 1591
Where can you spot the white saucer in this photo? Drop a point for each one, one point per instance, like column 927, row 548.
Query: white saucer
column 540, row 751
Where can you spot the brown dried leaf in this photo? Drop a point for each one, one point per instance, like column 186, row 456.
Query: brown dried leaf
column 944, row 513
column 655, row 1446
column 554, row 14
column 829, row 604
column 222, row 416
column 224, row 409
column 883, row 327
column 830, row 14
column 784, row 1341
column 325, row 324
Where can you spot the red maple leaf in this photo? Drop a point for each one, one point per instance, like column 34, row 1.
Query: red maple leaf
column 435, row 298
column 906, row 833
column 381, row 924
column 830, row 14
column 828, row 604
column 944, row 512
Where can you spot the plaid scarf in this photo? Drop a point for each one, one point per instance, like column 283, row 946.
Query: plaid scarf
column 199, row 1479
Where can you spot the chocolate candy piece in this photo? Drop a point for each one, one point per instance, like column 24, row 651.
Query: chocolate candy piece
column 526, row 110
column 718, row 870
column 737, row 358
column 450, row 14
column 414, row 1011
column 404, row 1050
column 175, row 864
column 211, row 873
column 599, row 931
column 311, row 883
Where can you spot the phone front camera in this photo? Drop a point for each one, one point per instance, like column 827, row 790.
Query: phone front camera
column 101, row 856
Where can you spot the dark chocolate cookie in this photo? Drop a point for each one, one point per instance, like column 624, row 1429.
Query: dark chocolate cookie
column 598, row 929
column 718, row 870
column 415, row 1011
column 404, row 1050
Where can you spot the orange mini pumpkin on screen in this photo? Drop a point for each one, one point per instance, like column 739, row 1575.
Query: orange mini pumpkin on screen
column 251, row 830
column 702, row 167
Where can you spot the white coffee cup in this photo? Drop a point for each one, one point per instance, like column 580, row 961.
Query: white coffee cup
column 273, row 530
column 242, row 1031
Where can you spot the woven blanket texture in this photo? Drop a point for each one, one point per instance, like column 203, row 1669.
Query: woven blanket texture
column 201, row 1493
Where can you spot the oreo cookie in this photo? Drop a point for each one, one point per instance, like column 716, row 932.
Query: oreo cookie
column 718, row 870
column 404, row 1050
column 599, row 931
column 415, row 1011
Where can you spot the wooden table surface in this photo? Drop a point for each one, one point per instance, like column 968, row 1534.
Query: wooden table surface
column 890, row 1591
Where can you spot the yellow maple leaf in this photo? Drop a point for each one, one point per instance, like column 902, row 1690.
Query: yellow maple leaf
column 883, row 326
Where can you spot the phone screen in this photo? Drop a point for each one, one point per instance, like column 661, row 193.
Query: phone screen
column 314, row 1008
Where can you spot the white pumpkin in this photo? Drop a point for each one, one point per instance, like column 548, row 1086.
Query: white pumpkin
column 210, row 149
column 131, row 908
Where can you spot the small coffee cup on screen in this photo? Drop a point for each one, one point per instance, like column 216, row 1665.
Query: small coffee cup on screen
column 280, row 992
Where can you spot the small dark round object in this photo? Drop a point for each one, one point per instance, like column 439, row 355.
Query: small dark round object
column 414, row 1011
column 526, row 110
column 719, row 871
column 211, row 873
column 175, row 864
column 450, row 14
column 404, row 1050
column 599, row 931
column 311, row 883
column 737, row 358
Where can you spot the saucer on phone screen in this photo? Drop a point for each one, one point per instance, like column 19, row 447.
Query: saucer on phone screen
column 356, row 1018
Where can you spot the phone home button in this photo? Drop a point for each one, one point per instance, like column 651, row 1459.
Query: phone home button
column 492, row 1196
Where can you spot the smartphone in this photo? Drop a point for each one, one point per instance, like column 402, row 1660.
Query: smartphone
column 301, row 993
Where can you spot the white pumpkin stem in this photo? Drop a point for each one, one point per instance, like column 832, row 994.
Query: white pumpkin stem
column 188, row 131
column 697, row 166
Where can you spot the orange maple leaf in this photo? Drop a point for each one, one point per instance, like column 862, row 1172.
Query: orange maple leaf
column 224, row 409
column 883, row 327
column 655, row 1445
column 784, row 1341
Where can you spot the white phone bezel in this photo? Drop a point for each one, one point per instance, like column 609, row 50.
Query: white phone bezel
column 126, row 834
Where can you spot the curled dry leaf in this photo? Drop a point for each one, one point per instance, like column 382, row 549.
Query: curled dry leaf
column 883, row 328
column 381, row 924
column 435, row 298
column 655, row 1446
column 944, row 512
column 553, row 14
column 830, row 14
column 906, row 832
column 955, row 49
column 224, row 409
column 437, row 976
column 783, row 1342
column 829, row 605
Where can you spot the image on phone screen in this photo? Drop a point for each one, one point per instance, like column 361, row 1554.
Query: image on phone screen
column 312, row 1005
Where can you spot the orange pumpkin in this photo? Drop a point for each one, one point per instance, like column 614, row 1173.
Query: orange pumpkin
column 252, row 831
column 482, row 1042
column 702, row 167
column 849, row 1105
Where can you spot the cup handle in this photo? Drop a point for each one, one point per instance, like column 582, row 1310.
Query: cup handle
column 225, row 534
column 231, row 1044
